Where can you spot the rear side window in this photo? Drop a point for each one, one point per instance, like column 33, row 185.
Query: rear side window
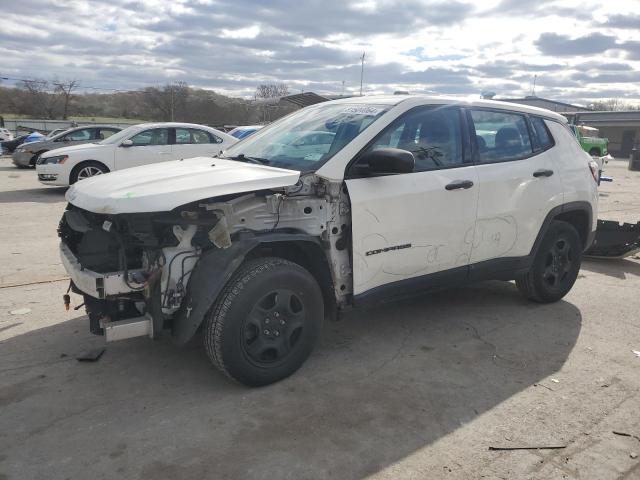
column 501, row 136
column 194, row 136
column 543, row 136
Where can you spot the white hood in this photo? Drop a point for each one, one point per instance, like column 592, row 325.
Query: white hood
column 161, row 187
column 83, row 147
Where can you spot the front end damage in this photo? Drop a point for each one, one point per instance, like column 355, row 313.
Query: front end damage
column 144, row 273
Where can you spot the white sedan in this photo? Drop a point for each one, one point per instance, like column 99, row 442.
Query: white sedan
column 134, row 146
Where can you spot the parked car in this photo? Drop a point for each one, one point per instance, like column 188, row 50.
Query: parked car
column 26, row 155
column 241, row 132
column 5, row 134
column 590, row 140
column 256, row 248
column 134, row 146
column 9, row 146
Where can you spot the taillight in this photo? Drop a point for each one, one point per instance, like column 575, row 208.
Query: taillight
column 595, row 171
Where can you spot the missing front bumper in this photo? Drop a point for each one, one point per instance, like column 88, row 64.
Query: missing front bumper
column 97, row 285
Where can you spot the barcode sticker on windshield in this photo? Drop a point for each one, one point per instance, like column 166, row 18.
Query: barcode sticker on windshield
column 367, row 110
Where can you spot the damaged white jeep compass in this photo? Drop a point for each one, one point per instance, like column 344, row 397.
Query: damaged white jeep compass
column 339, row 204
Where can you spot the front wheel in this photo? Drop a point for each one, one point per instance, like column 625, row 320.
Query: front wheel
column 265, row 322
column 555, row 266
column 86, row 170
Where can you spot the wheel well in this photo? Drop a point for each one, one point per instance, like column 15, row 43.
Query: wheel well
column 580, row 221
column 36, row 155
column 81, row 164
column 308, row 255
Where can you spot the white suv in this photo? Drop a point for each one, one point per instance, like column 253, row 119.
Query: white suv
column 134, row 146
column 257, row 247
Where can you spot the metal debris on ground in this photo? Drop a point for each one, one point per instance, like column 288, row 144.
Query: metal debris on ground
column 90, row 355
column 636, row 353
column 625, row 434
column 555, row 380
column 546, row 447
column 20, row 311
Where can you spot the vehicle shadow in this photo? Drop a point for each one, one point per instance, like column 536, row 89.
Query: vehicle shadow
column 382, row 384
column 617, row 268
column 34, row 195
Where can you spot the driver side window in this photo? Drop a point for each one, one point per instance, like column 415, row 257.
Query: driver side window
column 433, row 135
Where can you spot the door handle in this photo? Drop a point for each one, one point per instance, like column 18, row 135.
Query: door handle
column 542, row 173
column 457, row 184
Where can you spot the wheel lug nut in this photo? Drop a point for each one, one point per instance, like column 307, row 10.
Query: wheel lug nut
column 276, row 314
column 281, row 322
column 266, row 320
column 276, row 333
column 266, row 332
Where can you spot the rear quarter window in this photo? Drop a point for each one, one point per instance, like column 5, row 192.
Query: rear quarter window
column 543, row 136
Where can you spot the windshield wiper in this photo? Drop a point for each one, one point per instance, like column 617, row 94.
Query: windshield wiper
column 241, row 157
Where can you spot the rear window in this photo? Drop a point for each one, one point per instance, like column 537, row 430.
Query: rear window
column 543, row 136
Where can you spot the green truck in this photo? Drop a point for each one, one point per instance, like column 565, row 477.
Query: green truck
column 590, row 141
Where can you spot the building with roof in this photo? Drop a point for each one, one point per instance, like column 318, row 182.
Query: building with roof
column 553, row 105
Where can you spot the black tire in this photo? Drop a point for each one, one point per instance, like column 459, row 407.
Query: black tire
column 75, row 173
column 594, row 152
column 555, row 266
column 265, row 322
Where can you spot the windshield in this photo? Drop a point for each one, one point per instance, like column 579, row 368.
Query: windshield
column 120, row 136
column 306, row 139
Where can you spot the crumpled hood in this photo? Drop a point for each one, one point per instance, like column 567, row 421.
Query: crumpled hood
column 161, row 187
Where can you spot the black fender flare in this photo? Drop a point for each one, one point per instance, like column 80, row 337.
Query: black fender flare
column 212, row 272
column 564, row 208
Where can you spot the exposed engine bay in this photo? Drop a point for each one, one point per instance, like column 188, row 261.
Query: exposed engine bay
column 164, row 269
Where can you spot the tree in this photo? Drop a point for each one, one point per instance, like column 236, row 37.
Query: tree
column 612, row 105
column 169, row 102
column 64, row 89
column 268, row 96
column 35, row 100
column 271, row 90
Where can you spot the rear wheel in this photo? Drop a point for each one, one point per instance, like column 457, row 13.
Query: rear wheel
column 555, row 266
column 86, row 170
column 265, row 322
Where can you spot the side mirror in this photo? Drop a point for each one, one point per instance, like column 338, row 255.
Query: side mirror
column 127, row 143
column 389, row 160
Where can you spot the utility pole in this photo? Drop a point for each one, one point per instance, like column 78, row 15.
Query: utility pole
column 362, row 71
column 533, row 90
column 172, row 101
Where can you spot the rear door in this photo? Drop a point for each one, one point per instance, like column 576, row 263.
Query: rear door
column 518, row 183
column 406, row 227
column 149, row 146
column 194, row 142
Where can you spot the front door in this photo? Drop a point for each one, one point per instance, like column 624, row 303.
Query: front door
column 406, row 227
column 149, row 146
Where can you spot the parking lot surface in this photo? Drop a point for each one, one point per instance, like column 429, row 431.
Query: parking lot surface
column 416, row 389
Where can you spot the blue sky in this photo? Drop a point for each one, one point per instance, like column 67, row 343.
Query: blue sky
column 579, row 50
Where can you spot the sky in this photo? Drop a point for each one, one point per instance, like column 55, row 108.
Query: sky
column 580, row 51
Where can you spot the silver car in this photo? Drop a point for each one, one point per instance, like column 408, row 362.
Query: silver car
column 26, row 154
